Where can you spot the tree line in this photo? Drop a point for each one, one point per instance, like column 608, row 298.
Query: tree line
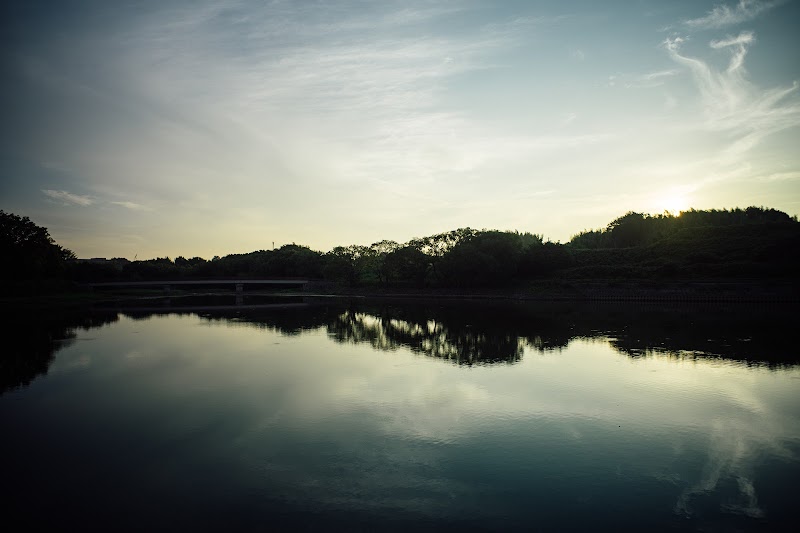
column 460, row 258
column 752, row 242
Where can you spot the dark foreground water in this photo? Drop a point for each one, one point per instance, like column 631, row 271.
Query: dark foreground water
column 376, row 415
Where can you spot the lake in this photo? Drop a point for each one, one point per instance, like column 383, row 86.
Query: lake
column 359, row 414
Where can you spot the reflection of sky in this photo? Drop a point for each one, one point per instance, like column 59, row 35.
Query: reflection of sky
column 347, row 426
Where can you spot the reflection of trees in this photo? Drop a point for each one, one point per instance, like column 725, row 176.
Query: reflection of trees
column 462, row 333
column 432, row 338
column 31, row 342
column 752, row 334
column 470, row 332
column 492, row 332
column 291, row 319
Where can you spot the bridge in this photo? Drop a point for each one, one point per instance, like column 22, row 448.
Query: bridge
column 168, row 284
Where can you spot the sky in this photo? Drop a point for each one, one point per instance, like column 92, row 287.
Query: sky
column 145, row 129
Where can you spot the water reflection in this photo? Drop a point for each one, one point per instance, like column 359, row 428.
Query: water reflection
column 752, row 334
column 461, row 345
column 31, row 341
column 460, row 332
column 470, row 332
column 487, row 416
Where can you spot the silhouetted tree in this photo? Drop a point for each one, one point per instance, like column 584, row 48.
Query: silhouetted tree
column 339, row 265
column 751, row 242
column 544, row 259
column 28, row 251
column 483, row 259
column 408, row 264
column 378, row 255
column 628, row 230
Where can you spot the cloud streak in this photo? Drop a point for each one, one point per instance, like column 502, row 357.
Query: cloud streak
column 133, row 206
column 733, row 104
column 724, row 15
column 68, row 197
column 644, row 81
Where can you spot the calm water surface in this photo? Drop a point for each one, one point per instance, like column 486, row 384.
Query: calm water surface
column 388, row 415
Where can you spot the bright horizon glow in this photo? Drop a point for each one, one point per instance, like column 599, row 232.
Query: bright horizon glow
column 674, row 204
column 207, row 128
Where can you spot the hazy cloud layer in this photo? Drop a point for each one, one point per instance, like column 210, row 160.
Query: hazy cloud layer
column 206, row 128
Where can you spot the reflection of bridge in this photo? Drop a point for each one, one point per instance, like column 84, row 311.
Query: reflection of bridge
column 188, row 283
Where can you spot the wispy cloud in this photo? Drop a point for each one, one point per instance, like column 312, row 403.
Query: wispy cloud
column 733, row 104
column 724, row 15
column 739, row 45
column 68, row 197
column 781, row 176
column 647, row 80
column 659, row 74
column 365, row 94
column 211, row 95
column 133, row 206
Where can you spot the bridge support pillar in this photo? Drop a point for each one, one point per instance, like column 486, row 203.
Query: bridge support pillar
column 167, row 288
column 239, row 287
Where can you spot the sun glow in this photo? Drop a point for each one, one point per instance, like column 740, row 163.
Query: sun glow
column 673, row 203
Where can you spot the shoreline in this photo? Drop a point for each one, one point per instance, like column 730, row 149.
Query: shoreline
column 689, row 291
column 778, row 291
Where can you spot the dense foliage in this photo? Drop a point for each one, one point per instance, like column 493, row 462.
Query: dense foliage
column 28, row 251
column 739, row 243
column 637, row 229
column 752, row 242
